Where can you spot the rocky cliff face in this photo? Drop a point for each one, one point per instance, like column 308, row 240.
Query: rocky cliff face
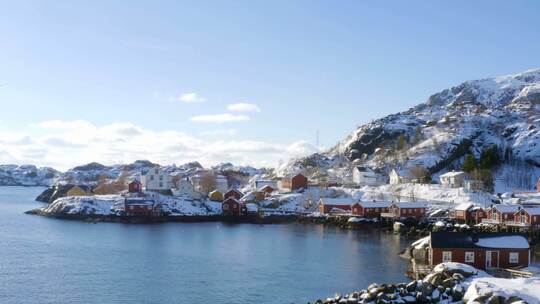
column 437, row 133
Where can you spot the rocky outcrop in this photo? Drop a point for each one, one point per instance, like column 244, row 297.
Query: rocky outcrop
column 443, row 285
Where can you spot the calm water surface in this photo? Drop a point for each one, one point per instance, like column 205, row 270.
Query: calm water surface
column 45, row 260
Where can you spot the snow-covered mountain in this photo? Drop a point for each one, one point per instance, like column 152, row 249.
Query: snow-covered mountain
column 27, row 175
column 92, row 173
column 436, row 134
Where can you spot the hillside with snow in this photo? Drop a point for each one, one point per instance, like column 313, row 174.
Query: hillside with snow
column 468, row 118
column 92, row 173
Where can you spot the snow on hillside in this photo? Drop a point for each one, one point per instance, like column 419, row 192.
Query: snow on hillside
column 470, row 117
column 27, row 175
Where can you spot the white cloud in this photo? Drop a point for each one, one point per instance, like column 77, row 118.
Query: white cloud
column 220, row 132
column 188, row 98
column 65, row 144
column 243, row 107
column 219, row 118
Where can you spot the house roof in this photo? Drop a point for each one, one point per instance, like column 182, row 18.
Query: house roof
column 235, row 191
column 338, row 201
column 374, row 204
column 478, row 240
column 411, row 205
column 215, row 191
column 453, row 174
column 463, row 206
column 532, row 210
column 506, row 208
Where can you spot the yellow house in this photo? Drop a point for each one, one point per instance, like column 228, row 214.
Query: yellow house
column 216, row 196
column 76, row 191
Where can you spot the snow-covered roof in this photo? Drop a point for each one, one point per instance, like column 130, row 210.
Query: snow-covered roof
column 510, row 241
column 506, row 208
column 532, row 211
column 339, row 201
column 453, row 174
column 463, row 206
column 411, row 205
column 478, row 240
column 252, row 207
column 374, row 204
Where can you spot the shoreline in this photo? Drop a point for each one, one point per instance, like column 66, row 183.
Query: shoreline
column 246, row 219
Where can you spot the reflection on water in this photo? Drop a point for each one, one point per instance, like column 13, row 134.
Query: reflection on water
column 53, row 261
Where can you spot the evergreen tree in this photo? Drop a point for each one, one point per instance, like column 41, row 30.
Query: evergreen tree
column 490, row 157
column 469, row 164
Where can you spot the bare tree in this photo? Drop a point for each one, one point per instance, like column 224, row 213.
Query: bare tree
column 208, row 183
column 419, row 173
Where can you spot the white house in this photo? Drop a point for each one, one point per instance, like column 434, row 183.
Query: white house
column 185, row 188
column 453, row 179
column 396, row 178
column 156, row 179
column 364, row 176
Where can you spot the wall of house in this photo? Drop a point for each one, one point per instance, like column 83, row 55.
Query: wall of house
column 138, row 210
column 76, row 191
column 298, row 182
column 458, row 255
column 230, row 208
column 216, row 196
column 159, row 180
column 134, row 187
column 412, row 212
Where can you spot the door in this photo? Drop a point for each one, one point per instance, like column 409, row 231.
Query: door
column 492, row 259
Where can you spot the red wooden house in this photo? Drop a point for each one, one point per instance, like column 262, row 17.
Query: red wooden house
column 139, row 207
column 234, row 193
column 462, row 212
column 501, row 214
column 406, row 209
column 477, row 214
column 482, row 250
column 134, row 187
column 527, row 217
column 298, row 181
column 231, row 206
column 370, row 209
column 267, row 189
column 335, row 205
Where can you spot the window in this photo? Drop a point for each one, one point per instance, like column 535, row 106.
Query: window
column 225, row 207
column 130, row 207
column 523, row 219
column 447, row 256
column 151, row 177
column 161, row 177
column 505, row 216
column 494, row 216
column 156, row 171
column 514, row 257
column 469, row 257
column 161, row 185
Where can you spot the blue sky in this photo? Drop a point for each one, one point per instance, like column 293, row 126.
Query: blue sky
column 74, row 72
